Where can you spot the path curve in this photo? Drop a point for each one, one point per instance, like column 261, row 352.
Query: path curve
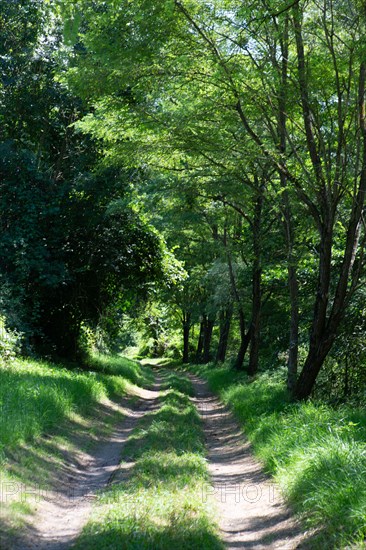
column 251, row 513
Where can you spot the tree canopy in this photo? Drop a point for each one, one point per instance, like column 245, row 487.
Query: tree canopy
column 206, row 158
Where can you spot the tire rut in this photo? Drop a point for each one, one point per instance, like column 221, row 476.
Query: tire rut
column 62, row 513
column 251, row 512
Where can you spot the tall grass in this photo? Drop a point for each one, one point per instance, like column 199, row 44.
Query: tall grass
column 161, row 505
column 47, row 410
column 316, row 453
column 36, row 396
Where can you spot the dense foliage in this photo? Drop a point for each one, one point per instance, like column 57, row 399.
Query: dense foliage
column 237, row 131
column 254, row 114
column 71, row 247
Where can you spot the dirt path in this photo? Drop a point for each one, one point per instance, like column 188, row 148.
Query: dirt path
column 250, row 510
column 63, row 512
column 251, row 513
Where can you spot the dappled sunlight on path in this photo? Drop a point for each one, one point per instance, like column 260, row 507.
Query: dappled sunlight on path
column 251, row 512
column 62, row 512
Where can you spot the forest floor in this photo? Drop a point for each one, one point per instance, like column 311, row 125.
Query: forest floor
column 250, row 512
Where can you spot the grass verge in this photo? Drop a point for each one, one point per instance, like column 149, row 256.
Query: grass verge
column 316, row 453
column 161, row 504
column 46, row 412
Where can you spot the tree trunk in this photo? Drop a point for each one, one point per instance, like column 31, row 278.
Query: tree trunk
column 245, row 337
column 293, row 287
column 225, row 323
column 255, row 325
column 207, row 340
column 288, row 225
column 294, row 325
column 312, row 366
column 257, row 287
column 201, row 338
column 186, row 329
column 320, row 343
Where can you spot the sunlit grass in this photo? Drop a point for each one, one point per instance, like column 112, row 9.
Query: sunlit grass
column 315, row 452
column 36, row 396
column 122, row 367
column 161, row 505
column 47, row 410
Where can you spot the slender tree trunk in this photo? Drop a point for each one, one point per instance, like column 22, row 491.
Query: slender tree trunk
column 207, row 340
column 244, row 334
column 257, row 287
column 320, row 341
column 255, row 325
column 324, row 330
column 288, row 225
column 225, row 323
column 245, row 337
column 294, row 324
column 201, row 338
column 186, row 329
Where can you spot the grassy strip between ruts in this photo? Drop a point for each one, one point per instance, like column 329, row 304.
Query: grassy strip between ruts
column 316, row 453
column 47, row 410
column 162, row 503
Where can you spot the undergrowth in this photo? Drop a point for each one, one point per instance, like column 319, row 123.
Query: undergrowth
column 161, row 505
column 316, row 453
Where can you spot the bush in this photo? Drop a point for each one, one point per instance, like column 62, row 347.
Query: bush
column 10, row 342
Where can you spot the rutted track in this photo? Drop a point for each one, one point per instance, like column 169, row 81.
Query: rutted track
column 252, row 514
column 62, row 513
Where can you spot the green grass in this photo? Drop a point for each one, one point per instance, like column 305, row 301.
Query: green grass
column 316, row 453
column 47, row 410
column 121, row 367
column 160, row 506
column 36, row 396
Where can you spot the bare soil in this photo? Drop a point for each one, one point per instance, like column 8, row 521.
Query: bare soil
column 251, row 512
